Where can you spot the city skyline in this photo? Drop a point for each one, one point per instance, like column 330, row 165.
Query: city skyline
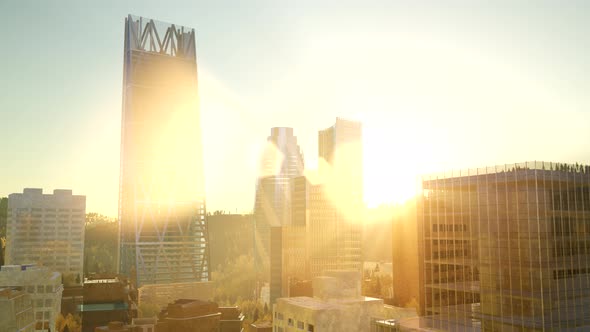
column 435, row 89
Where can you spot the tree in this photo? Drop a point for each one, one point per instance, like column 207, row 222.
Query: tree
column 147, row 310
column 235, row 280
column 3, row 215
column 100, row 244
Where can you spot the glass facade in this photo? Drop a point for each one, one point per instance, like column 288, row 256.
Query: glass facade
column 161, row 200
column 506, row 248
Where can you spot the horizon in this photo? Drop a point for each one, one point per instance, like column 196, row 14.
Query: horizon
column 435, row 89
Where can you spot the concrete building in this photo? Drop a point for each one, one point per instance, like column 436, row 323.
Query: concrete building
column 336, row 305
column 164, row 240
column 42, row 285
column 16, row 311
column 506, row 248
column 47, row 229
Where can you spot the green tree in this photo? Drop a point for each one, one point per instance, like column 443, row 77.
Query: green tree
column 234, row 281
column 3, row 215
column 147, row 310
column 100, row 244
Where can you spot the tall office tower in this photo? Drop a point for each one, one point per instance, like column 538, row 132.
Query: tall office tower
column 282, row 161
column 47, row 229
column 162, row 198
column 336, row 204
column 295, row 240
column 506, row 248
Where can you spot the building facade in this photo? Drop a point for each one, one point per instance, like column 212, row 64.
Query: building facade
column 16, row 311
column 42, row 285
column 336, row 305
column 506, row 248
column 335, row 201
column 161, row 199
column 47, row 229
column 281, row 162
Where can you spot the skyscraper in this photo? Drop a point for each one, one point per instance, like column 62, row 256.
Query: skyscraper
column 161, row 199
column 47, row 229
column 336, row 200
column 281, row 162
column 506, row 248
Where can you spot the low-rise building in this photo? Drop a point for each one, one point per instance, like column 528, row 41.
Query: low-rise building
column 336, row 305
column 16, row 311
column 190, row 316
column 42, row 285
column 261, row 327
column 106, row 298
column 184, row 315
column 231, row 319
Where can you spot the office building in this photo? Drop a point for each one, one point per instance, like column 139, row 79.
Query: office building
column 47, row 229
column 16, row 311
column 281, row 162
column 42, row 285
column 506, row 248
column 335, row 202
column 161, row 199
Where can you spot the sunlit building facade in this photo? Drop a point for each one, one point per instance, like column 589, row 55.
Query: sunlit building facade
column 43, row 286
column 335, row 202
column 16, row 311
column 506, row 248
column 47, row 229
column 161, row 200
column 281, row 162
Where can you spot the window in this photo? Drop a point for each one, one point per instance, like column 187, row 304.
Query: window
column 300, row 325
column 290, row 322
column 309, row 328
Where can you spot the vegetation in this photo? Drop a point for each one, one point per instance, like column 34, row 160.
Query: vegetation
column 70, row 323
column 254, row 312
column 235, row 281
column 100, row 244
column 148, row 310
column 3, row 216
column 377, row 285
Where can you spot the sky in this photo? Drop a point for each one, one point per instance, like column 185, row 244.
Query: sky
column 437, row 86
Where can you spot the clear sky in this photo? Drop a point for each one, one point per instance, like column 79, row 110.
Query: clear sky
column 437, row 86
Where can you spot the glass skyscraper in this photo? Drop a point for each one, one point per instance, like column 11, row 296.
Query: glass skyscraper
column 163, row 236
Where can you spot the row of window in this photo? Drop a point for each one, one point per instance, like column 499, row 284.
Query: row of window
column 291, row 322
column 449, row 228
column 569, row 273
